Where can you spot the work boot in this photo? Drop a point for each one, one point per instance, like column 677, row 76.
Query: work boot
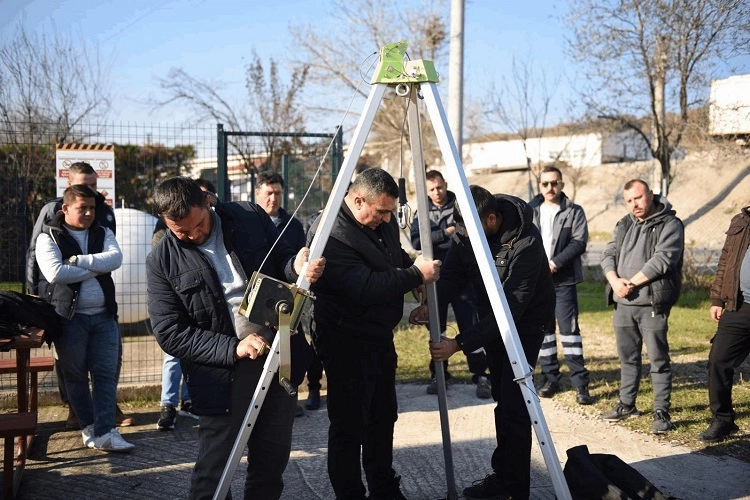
column 484, row 391
column 718, row 431
column 313, row 400
column 71, row 423
column 582, row 395
column 548, row 389
column 620, row 412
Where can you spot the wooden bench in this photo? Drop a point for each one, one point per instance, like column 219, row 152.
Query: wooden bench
column 36, row 365
column 14, row 425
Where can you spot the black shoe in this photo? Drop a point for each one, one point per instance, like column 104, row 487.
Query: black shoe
column 582, row 395
column 186, row 410
column 620, row 412
column 484, row 389
column 717, row 431
column 299, row 412
column 548, row 389
column 487, row 488
column 313, row 400
column 662, row 424
column 167, row 418
column 432, row 386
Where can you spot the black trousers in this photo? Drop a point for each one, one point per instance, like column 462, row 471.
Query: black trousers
column 511, row 460
column 269, row 445
column 362, row 410
column 729, row 348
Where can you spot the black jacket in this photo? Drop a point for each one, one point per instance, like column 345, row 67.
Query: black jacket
column 361, row 292
column 523, row 270
column 103, row 214
column 294, row 233
column 189, row 314
column 64, row 297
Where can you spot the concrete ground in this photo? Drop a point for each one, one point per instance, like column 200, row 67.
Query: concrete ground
column 159, row 467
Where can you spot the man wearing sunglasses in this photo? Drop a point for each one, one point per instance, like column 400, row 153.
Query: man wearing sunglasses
column 565, row 234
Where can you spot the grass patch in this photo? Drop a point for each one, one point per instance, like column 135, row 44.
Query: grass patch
column 690, row 332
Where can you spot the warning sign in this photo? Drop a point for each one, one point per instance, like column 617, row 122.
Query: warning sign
column 99, row 156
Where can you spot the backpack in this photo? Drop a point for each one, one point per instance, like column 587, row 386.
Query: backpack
column 603, row 476
column 19, row 310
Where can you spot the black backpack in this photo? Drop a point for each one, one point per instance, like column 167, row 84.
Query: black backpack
column 602, row 476
column 19, row 310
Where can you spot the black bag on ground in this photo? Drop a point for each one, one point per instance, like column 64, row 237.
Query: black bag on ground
column 19, row 310
column 606, row 477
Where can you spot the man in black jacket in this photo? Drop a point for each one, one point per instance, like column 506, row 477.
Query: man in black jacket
column 521, row 263
column 197, row 276
column 358, row 303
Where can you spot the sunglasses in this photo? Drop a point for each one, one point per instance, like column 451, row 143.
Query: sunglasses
column 554, row 184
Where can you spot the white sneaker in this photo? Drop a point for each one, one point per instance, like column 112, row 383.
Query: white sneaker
column 112, row 441
column 88, row 436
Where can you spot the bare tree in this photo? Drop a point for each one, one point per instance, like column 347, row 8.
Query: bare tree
column 644, row 57
column 521, row 105
column 49, row 85
column 339, row 64
column 272, row 106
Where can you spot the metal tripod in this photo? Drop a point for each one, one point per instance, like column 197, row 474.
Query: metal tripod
column 416, row 80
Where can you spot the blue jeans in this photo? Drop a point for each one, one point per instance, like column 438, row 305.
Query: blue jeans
column 91, row 345
column 171, row 375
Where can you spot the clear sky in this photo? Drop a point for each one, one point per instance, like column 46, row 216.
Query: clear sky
column 212, row 38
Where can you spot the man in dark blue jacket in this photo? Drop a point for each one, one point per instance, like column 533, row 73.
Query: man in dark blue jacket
column 521, row 263
column 197, row 276
column 359, row 302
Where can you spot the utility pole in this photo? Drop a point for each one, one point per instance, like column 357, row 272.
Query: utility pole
column 456, row 75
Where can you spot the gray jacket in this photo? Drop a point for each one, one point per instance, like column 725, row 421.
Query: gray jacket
column 653, row 247
column 570, row 235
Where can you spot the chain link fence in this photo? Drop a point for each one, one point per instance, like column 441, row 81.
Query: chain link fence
column 144, row 155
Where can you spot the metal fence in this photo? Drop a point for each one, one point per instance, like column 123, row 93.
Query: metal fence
column 145, row 154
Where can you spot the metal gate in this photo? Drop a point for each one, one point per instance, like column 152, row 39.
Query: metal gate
column 296, row 156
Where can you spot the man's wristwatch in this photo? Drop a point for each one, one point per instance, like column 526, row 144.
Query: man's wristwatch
column 72, row 260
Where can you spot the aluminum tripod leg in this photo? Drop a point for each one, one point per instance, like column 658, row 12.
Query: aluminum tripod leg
column 269, row 372
column 415, row 136
column 521, row 370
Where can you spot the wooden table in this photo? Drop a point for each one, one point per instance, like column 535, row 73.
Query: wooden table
column 32, row 338
column 23, row 344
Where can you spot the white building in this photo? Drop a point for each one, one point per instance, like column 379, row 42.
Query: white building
column 729, row 108
column 580, row 150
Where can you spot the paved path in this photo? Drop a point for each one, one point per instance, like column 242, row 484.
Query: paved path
column 160, row 466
